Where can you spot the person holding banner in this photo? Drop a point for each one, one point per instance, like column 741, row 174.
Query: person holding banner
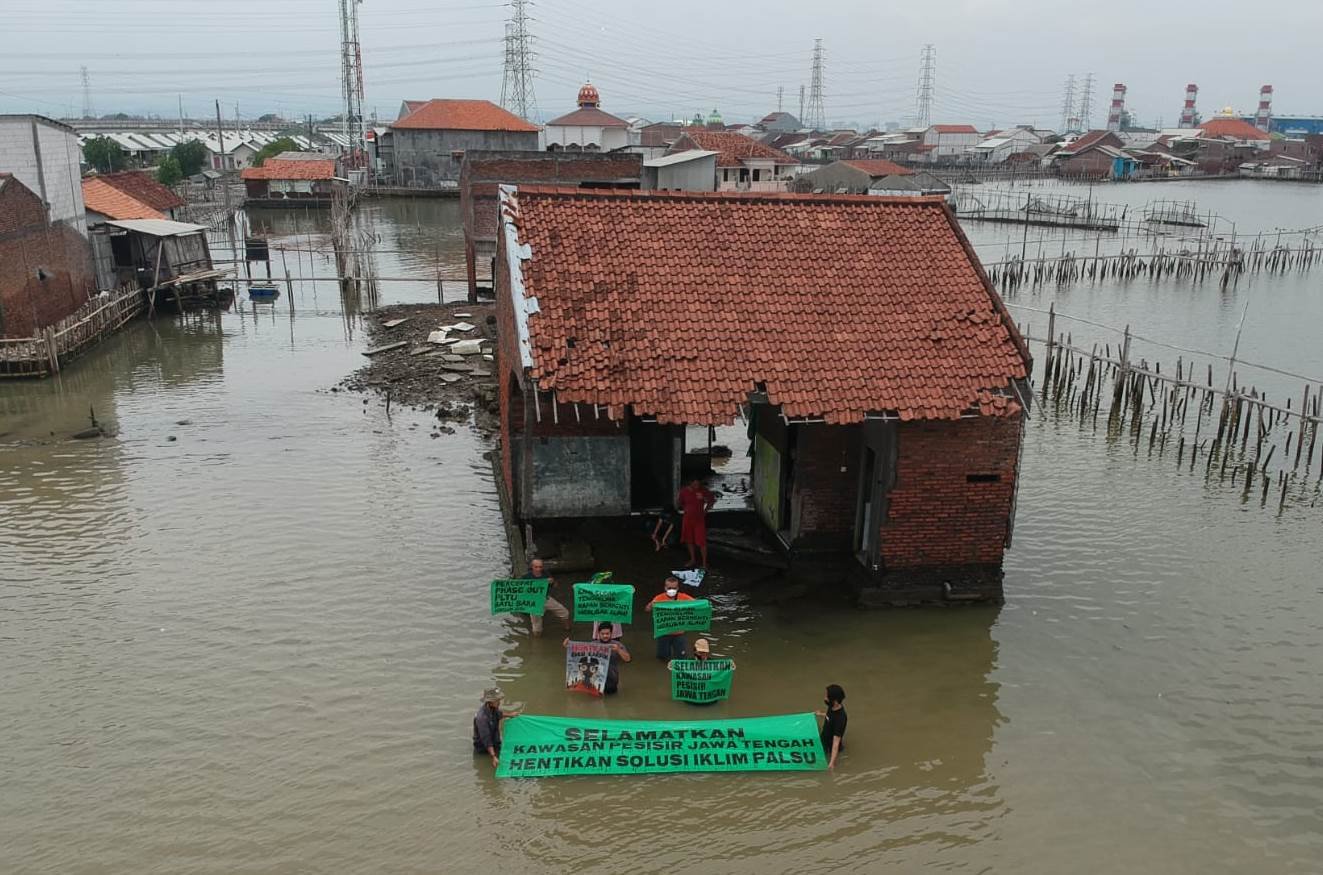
column 703, row 656
column 670, row 646
column 487, row 725
column 537, row 570
column 833, row 723
column 619, row 654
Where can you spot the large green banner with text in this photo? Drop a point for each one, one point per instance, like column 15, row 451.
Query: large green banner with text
column 527, row 596
column 605, row 602
column 538, row 747
column 694, row 615
column 701, row 680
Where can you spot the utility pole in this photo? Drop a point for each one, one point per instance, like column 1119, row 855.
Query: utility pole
column 220, row 140
column 817, row 112
column 351, row 76
column 923, row 115
column 181, row 118
column 780, row 96
column 801, row 104
column 87, row 92
column 517, row 84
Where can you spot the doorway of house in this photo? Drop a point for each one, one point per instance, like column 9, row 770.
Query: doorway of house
column 653, row 464
column 877, row 471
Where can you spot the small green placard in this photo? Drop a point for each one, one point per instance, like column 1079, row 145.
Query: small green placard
column 519, row 596
column 668, row 617
column 604, row 602
column 701, row 680
column 534, row 746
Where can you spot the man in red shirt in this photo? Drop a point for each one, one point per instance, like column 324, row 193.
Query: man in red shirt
column 670, row 646
column 695, row 500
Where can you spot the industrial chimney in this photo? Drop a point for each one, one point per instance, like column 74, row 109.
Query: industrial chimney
column 1263, row 118
column 1118, row 107
column 1187, row 113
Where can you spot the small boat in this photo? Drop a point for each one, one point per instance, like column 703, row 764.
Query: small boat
column 263, row 293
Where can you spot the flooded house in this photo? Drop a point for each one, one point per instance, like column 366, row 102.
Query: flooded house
column 45, row 264
column 293, row 179
column 170, row 259
column 483, row 173
column 129, row 194
column 425, row 146
column 880, row 377
column 871, row 176
column 743, row 164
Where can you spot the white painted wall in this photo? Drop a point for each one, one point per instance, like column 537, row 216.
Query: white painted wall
column 605, row 139
column 57, row 154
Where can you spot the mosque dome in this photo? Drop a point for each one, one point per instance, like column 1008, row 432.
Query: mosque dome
column 588, row 96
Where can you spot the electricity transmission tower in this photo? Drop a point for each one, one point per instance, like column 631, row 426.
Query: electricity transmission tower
column 87, row 92
column 351, row 75
column 1068, row 105
column 923, row 116
column 780, row 96
column 517, row 84
column 817, row 112
column 1086, row 104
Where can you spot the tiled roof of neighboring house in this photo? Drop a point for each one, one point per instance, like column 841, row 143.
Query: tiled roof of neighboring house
column 876, row 167
column 1232, row 129
column 678, row 304
column 735, row 149
column 462, row 115
column 99, row 196
column 411, row 106
column 955, row 129
column 141, row 186
column 1086, row 140
column 588, row 117
column 274, row 168
column 842, row 138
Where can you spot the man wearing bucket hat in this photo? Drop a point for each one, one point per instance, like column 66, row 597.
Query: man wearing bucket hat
column 702, row 653
column 487, row 724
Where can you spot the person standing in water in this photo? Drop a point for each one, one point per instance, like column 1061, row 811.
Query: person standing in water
column 695, row 500
column 670, row 646
column 833, row 723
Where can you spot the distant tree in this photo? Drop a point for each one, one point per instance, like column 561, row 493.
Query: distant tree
column 168, row 172
column 190, row 156
column 117, row 116
column 104, row 154
column 268, row 117
column 275, row 147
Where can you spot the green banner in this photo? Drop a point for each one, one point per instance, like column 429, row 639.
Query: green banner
column 537, row 747
column 519, row 596
column 607, row 602
column 701, row 680
column 693, row 615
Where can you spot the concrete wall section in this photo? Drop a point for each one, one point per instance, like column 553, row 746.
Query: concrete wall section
column 45, row 269
column 425, row 157
column 579, row 476
column 46, row 158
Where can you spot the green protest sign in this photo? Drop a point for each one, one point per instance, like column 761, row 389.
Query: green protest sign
column 519, row 596
column 536, row 747
column 693, row 615
column 607, row 602
column 701, row 680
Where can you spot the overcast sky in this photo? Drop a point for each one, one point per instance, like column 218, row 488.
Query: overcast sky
column 999, row 62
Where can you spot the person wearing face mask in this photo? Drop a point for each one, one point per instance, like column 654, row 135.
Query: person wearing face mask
column 670, row 646
column 833, row 723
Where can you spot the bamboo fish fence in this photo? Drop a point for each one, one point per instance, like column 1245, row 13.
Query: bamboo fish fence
column 1235, row 430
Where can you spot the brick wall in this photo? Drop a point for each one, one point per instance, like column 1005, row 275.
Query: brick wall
column 826, row 485
column 27, row 303
column 935, row 515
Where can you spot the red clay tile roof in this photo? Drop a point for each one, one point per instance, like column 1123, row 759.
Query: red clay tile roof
column 1232, row 129
column 879, row 167
column 734, row 148
column 591, row 117
column 955, row 129
column 140, row 186
column 275, row 168
column 1092, row 138
column 463, row 115
column 678, row 304
column 101, row 197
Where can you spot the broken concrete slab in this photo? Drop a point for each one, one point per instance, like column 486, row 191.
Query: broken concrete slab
column 467, row 347
column 387, row 348
column 394, row 322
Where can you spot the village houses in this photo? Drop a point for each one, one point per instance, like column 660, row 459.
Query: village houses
column 425, row 146
column 588, row 128
column 742, row 164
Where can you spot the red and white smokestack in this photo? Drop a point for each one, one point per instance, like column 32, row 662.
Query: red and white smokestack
column 1187, row 112
column 1263, row 118
column 1118, row 107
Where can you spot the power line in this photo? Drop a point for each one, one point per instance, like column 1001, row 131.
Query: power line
column 517, row 84
column 1086, row 104
column 927, row 72
column 1068, row 104
column 816, row 110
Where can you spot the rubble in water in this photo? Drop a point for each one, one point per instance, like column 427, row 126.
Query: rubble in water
column 416, row 362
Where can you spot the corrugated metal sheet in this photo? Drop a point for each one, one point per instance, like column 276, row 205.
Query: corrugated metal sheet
column 157, row 227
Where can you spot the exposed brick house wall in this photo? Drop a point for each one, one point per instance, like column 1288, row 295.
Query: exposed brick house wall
column 826, row 486
column 28, row 243
column 935, row 514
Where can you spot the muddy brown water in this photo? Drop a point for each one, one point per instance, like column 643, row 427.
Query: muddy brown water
column 257, row 647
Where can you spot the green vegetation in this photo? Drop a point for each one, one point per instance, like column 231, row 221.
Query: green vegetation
column 168, row 172
column 275, row 147
column 191, row 157
column 104, row 154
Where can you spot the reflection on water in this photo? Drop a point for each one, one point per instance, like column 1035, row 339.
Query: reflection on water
column 259, row 646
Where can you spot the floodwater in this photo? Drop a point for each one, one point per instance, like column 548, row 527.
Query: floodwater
column 258, row 647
